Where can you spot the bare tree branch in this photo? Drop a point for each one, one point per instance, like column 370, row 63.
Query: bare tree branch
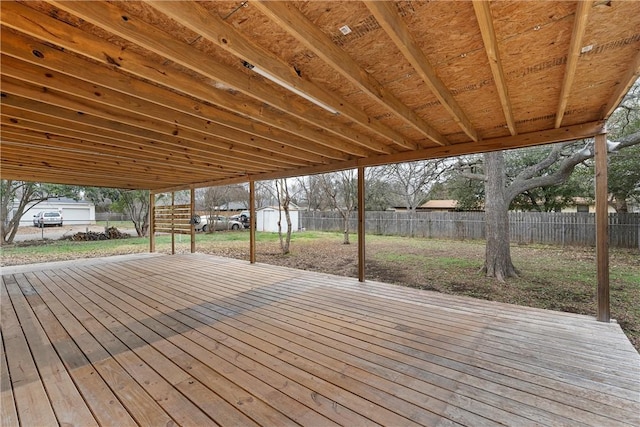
column 567, row 166
column 532, row 170
column 474, row 176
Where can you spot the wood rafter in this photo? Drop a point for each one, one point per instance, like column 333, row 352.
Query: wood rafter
column 53, row 134
column 73, row 66
column 485, row 22
column 550, row 136
column 290, row 18
column 38, row 173
column 111, row 19
column 197, row 19
column 133, row 111
column 108, row 140
column 24, row 19
column 577, row 35
column 388, row 18
column 69, row 156
column 140, row 139
column 153, row 95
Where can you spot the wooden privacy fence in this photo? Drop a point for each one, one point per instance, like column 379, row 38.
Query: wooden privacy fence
column 173, row 218
column 556, row 228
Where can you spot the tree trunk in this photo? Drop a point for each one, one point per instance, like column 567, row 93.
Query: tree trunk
column 282, row 192
column 497, row 262
column 8, row 191
column 620, row 205
column 346, row 228
column 287, row 241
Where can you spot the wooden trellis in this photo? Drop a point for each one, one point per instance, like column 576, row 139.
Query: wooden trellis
column 173, row 219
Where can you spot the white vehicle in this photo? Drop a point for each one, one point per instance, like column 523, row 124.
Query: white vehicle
column 47, row 218
column 218, row 223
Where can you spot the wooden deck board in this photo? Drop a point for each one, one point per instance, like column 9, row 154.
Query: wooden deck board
column 306, row 315
column 200, row 340
column 261, row 328
column 8, row 413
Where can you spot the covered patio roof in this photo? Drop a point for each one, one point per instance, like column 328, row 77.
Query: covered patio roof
column 163, row 95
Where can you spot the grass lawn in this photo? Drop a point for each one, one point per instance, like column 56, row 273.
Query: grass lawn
column 552, row 277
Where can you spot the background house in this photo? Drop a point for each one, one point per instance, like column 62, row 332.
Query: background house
column 439, row 205
column 584, row 205
column 74, row 212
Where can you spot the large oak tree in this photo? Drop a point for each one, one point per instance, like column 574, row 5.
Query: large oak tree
column 501, row 189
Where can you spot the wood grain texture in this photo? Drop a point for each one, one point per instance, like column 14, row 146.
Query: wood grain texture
column 164, row 87
column 200, row 339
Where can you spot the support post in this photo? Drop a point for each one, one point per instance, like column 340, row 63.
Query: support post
column 602, row 228
column 173, row 215
column 192, row 210
column 361, row 225
column 152, row 222
column 252, row 222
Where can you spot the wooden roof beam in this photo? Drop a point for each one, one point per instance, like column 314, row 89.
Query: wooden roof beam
column 55, row 163
column 35, row 174
column 18, row 95
column 35, row 147
column 63, row 62
column 137, row 112
column 110, row 18
column 27, row 131
column 567, row 133
column 199, row 20
column 579, row 26
column 392, row 23
column 100, row 138
column 261, row 122
column 288, row 16
column 485, row 22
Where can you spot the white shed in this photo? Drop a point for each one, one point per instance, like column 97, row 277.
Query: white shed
column 267, row 219
column 73, row 212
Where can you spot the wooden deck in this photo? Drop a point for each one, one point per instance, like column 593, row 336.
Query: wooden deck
column 198, row 340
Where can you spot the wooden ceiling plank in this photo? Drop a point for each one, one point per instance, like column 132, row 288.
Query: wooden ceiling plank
column 63, row 109
column 54, row 59
column 127, row 112
column 256, row 119
column 392, row 23
column 199, row 20
column 51, row 136
column 577, row 35
column 110, row 86
column 288, row 17
column 110, row 18
column 485, row 22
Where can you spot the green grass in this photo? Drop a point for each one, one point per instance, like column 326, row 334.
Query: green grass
column 53, row 247
column 426, row 260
